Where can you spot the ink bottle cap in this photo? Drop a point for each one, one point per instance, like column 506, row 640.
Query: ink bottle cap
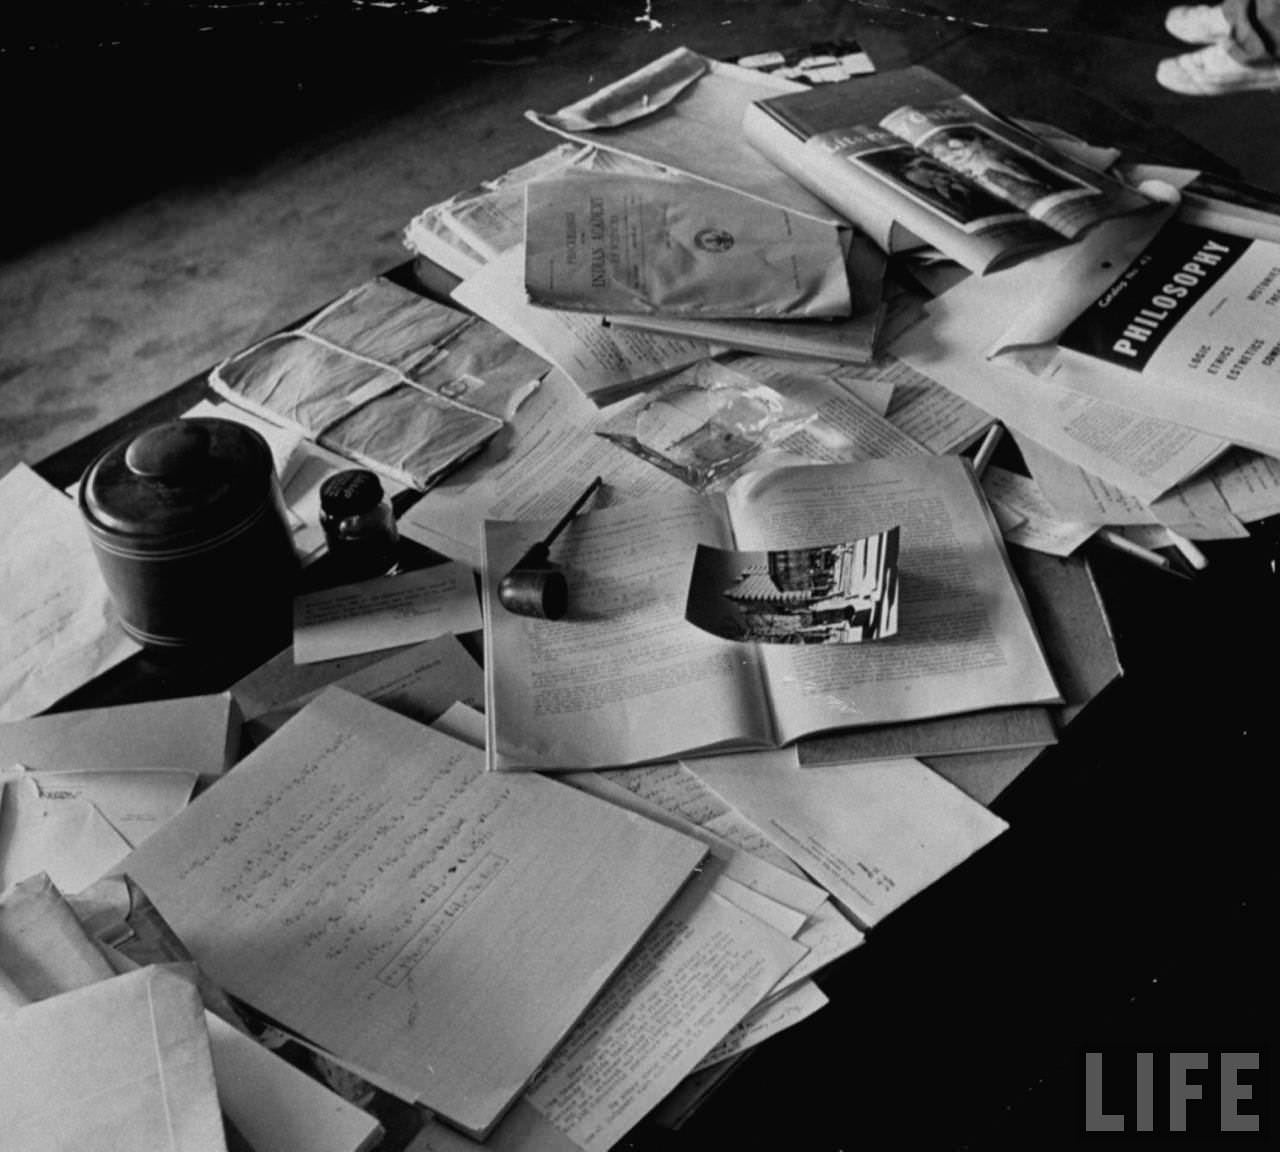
column 359, row 525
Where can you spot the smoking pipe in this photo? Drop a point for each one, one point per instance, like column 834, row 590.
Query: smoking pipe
column 535, row 586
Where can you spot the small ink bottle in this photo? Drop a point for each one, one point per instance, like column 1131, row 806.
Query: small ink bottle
column 358, row 524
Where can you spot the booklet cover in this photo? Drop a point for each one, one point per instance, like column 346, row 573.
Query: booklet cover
column 622, row 243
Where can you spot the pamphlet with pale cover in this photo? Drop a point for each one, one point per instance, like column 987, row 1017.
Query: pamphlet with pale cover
column 604, row 242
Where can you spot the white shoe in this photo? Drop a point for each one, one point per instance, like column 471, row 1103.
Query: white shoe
column 1213, row 71
column 1197, row 23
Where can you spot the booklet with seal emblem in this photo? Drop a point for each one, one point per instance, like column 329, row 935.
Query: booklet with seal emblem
column 614, row 243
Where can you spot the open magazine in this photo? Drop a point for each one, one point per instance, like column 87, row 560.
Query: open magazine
column 627, row 678
column 912, row 160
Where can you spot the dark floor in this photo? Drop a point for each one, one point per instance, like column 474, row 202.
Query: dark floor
column 185, row 177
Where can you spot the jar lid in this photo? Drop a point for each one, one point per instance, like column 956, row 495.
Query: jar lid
column 179, row 481
column 350, row 492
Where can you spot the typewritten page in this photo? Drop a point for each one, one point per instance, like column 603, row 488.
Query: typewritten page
column 624, row 678
column 965, row 640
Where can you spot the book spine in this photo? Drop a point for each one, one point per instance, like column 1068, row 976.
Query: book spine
column 782, row 116
column 783, row 141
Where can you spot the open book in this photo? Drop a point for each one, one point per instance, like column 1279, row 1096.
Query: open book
column 912, row 160
column 624, row 678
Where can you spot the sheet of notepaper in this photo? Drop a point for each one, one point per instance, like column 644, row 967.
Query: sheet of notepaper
column 385, row 613
column 874, row 834
column 702, row 968
column 58, row 627
column 364, row 881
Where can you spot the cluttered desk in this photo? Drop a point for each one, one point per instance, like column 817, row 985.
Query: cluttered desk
column 799, row 532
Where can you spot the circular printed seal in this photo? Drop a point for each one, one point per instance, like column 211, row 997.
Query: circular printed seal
column 713, row 239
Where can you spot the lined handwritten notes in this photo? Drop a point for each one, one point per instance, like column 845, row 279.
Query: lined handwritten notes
column 384, row 613
column 362, row 879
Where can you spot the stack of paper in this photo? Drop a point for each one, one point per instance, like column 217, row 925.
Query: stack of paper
column 362, row 880
column 145, row 1040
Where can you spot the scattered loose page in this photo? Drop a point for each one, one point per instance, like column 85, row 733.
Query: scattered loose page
column 1038, row 524
column 58, row 627
column 600, row 360
column 277, row 1107
column 362, row 879
column 1141, row 453
column 533, row 471
column 756, row 877
column 123, row 1063
column 767, row 1020
column 189, row 734
column 1249, row 482
column 732, row 865
column 43, row 948
column 67, row 837
column 384, row 613
column 134, row 803
column 1195, row 507
column 462, row 722
column 420, row 681
column 684, row 111
column 674, row 789
column 695, row 975
column 701, row 969
column 873, row 834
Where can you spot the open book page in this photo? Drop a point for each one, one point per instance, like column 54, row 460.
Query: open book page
column 422, row 904
column 532, row 471
column 965, row 639
column 623, row 678
column 1013, row 165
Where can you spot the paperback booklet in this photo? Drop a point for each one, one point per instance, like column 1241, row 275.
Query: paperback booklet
column 913, row 161
column 625, row 678
column 619, row 243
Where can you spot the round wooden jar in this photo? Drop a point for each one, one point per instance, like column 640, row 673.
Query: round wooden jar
column 190, row 533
